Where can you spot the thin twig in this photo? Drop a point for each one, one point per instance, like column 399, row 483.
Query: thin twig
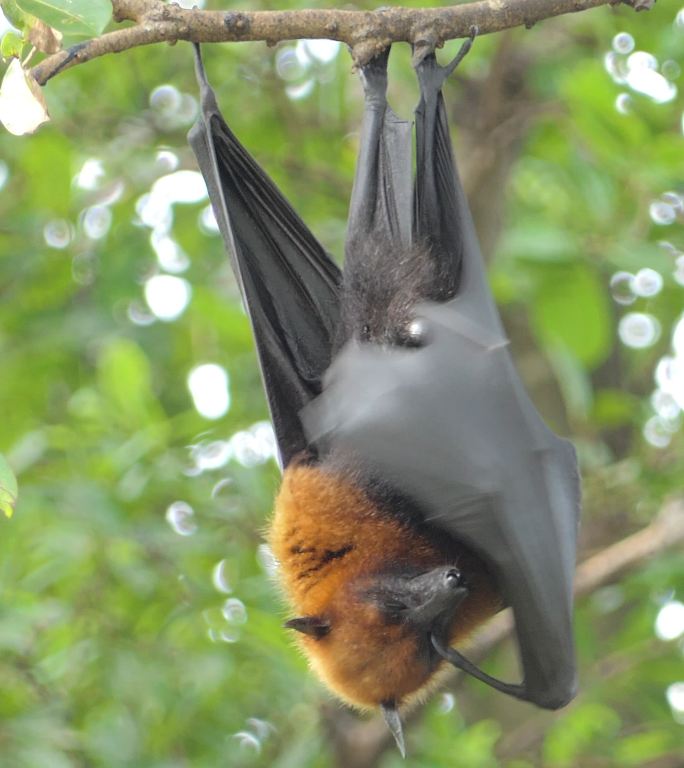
column 365, row 32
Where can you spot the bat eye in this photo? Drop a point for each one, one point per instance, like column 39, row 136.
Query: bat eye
column 365, row 332
column 454, row 578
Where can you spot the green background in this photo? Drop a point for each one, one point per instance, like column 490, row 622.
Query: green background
column 114, row 649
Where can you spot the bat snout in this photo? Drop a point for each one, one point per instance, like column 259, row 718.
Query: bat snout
column 435, row 594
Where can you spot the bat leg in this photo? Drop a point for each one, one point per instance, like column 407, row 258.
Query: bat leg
column 373, row 76
column 460, row 662
column 442, row 219
column 380, row 204
column 432, row 75
column 440, row 209
column 379, row 225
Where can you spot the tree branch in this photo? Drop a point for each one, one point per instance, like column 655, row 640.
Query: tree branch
column 359, row 744
column 365, row 32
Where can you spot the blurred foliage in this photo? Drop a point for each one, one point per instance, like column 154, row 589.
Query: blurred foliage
column 117, row 647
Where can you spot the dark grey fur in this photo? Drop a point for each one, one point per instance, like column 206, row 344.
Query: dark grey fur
column 381, row 287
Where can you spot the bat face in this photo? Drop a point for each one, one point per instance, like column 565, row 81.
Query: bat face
column 379, row 295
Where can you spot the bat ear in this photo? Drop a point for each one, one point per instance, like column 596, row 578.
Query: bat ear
column 310, row 625
column 391, row 715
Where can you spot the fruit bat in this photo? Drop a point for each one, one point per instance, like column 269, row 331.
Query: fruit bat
column 421, row 490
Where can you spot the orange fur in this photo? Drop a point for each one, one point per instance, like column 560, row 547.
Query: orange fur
column 331, row 541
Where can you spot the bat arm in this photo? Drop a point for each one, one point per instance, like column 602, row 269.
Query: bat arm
column 460, row 662
column 199, row 65
column 463, row 51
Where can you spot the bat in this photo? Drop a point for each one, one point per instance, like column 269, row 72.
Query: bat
column 421, row 491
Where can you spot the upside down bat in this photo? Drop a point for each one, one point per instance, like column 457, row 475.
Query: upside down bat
column 421, row 490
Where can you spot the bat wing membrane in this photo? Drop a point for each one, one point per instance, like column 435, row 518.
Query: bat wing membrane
column 289, row 285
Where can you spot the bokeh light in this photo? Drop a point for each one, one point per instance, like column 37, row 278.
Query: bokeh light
column 669, row 624
column 167, row 296
column 639, row 330
column 208, row 385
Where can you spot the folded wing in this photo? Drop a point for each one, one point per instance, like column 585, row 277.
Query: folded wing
column 289, row 284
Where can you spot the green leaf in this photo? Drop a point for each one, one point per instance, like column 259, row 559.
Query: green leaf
column 577, row 731
column 539, row 242
column 125, row 379
column 84, row 18
column 572, row 310
column 16, row 17
column 11, row 45
column 642, row 748
column 632, row 254
column 614, row 408
column 573, row 380
column 8, row 488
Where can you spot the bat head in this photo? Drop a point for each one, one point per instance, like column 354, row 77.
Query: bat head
column 372, row 644
column 369, row 589
column 414, row 606
column 425, row 601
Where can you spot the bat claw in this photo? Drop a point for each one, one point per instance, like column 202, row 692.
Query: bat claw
column 463, row 52
column 391, row 715
column 424, row 55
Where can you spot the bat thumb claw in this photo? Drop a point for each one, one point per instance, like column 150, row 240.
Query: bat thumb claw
column 463, row 52
column 391, row 715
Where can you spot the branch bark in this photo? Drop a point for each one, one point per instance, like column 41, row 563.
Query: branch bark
column 365, row 32
column 359, row 744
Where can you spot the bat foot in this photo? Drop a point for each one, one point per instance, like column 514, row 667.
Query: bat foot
column 367, row 53
column 373, row 75
column 432, row 75
column 424, row 49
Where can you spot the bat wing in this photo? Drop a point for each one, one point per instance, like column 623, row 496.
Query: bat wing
column 451, row 425
column 289, row 284
column 442, row 217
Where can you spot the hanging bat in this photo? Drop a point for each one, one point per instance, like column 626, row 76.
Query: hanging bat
column 421, row 490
